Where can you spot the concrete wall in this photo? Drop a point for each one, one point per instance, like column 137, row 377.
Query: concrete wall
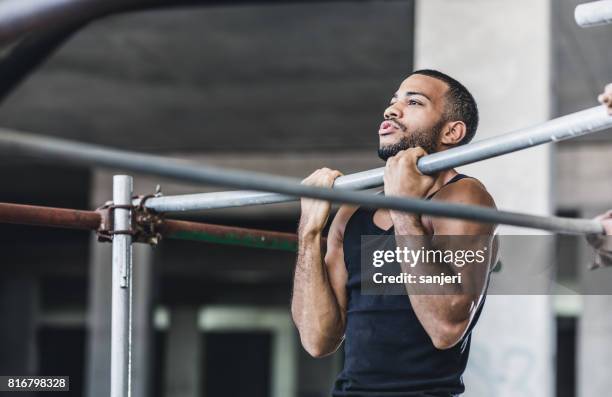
column 584, row 176
column 501, row 51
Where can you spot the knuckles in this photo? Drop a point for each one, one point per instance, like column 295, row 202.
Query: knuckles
column 408, row 154
column 406, row 157
column 322, row 177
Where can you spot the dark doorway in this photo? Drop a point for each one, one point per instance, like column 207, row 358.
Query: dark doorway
column 566, row 356
column 237, row 364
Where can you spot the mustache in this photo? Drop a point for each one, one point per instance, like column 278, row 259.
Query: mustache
column 398, row 124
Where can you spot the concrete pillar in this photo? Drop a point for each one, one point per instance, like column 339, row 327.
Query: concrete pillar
column 99, row 321
column 501, row 51
column 143, row 333
column 594, row 327
column 594, row 347
column 183, row 367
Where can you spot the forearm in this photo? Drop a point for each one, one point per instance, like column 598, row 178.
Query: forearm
column 314, row 307
column 442, row 310
column 411, row 235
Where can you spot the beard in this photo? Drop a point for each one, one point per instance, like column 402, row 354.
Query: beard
column 427, row 139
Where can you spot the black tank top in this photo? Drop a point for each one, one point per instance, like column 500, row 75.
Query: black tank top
column 386, row 350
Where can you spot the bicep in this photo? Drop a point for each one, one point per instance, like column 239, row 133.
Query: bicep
column 468, row 236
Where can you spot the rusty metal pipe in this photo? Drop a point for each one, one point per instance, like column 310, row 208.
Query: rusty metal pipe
column 170, row 228
column 49, row 216
column 219, row 234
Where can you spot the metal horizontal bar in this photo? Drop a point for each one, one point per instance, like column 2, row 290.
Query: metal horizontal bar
column 218, row 234
column 595, row 13
column 571, row 126
column 240, row 198
column 173, row 229
column 67, row 151
column 48, row 216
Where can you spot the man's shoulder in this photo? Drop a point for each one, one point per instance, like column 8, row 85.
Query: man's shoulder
column 468, row 190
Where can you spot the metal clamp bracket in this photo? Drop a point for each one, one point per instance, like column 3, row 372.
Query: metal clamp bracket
column 144, row 222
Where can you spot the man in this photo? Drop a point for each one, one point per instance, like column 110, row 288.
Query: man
column 395, row 345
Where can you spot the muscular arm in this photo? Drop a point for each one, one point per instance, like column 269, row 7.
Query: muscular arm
column 318, row 304
column 447, row 316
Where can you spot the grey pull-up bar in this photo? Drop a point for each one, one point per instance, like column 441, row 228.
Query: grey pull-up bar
column 595, row 13
column 566, row 127
column 66, row 151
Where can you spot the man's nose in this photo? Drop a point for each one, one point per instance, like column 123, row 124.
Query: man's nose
column 392, row 112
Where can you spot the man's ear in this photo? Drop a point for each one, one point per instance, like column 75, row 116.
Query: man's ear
column 453, row 133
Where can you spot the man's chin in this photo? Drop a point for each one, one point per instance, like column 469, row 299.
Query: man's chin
column 386, row 151
column 395, row 145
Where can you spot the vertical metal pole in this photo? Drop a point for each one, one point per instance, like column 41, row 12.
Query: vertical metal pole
column 121, row 289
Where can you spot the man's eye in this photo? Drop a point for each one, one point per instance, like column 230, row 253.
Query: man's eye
column 413, row 102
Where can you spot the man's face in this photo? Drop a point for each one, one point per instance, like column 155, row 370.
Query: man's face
column 414, row 116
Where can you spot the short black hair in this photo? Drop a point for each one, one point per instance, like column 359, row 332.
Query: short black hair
column 460, row 104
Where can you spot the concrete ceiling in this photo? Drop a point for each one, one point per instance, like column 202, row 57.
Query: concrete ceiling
column 255, row 77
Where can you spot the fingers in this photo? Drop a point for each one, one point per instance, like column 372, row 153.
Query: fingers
column 419, row 152
column 408, row 156
column 606, row 221
column 414, row 152
column 323, row 177
column 606, row 98
column 607, row 225
column 606, row 215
